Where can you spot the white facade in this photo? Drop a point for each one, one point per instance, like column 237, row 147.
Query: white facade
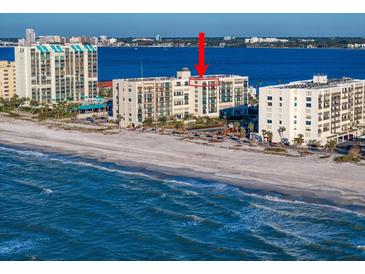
column 53, row 39
column 319, row 109
column 135, row 100
column 255, row 40
column 29, row 36
column 53, row 73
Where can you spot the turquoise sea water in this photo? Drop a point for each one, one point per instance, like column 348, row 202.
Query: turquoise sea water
column 59, row 207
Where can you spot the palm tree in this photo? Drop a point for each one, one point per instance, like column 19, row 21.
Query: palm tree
column 267, row 134
column 243, row 134
column 269, row 137
column 251, row 128
column 120, row 118
column 299, row 140
column 281, row 130
column 264, row 134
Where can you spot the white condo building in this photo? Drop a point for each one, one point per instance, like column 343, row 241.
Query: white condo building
column 320, row 109
column 135, row 100
column 53, row 73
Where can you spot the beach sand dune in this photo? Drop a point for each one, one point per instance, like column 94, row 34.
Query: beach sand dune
column 309, row 177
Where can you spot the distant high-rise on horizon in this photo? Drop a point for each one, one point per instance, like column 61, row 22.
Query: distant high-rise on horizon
column 29, row 36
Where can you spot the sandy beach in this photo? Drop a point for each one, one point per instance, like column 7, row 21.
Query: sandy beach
column 309, row 177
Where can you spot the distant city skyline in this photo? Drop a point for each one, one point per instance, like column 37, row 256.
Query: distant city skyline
column 185, row 25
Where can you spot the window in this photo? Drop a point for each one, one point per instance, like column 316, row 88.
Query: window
column 269, row 104
column 295, row 104
column 280, row 122
column 281, row 104
column 281, row 98
column 309, row 99
column 295, row 98
column 269, row 98
column 295, row 122
column 308, row 123
column 308, row 105
column 269, row 121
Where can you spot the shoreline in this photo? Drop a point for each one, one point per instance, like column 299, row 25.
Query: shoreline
column 160, row 173
column 329, row 183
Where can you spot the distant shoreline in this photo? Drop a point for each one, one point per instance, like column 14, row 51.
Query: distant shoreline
column 219, row 47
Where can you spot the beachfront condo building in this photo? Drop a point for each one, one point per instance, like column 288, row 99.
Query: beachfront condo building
column 54, row 73
column 139, row 99
column 7, row 79
column 320, row 109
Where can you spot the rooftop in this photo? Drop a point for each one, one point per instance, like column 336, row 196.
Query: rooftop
column 206, row 77
column 58, row 48
column 312, row 84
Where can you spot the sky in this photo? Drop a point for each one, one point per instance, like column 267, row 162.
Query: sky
column 184, row 25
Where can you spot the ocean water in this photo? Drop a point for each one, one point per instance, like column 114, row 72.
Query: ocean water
column 265, row 66
column 59, row 207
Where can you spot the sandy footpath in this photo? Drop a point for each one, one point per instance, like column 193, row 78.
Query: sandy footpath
column 308, row 177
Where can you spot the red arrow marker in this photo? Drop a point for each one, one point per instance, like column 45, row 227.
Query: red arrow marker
column 201, row 67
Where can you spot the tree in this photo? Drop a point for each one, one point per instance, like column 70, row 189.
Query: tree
column 252, row 100
column 33, row 103
column 120, row 118
column 179, row 124
column 251, row 128
column 269, row 137
column 331, row 145
column 264, row 134
column 148, row 121
column 281, row 130
column 162, row 120
column 243, row 133
column 267, row 134
column 237, row 125
column 299, row 140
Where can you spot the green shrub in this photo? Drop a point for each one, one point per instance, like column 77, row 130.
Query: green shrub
column 275, row 149
column 347, row 159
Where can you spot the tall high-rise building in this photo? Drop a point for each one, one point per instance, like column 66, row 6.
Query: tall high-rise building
column 320, row 109
column 29, row 36
column 53, row 73
column 158, row 37
column 135, row 100
column 7, row 79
